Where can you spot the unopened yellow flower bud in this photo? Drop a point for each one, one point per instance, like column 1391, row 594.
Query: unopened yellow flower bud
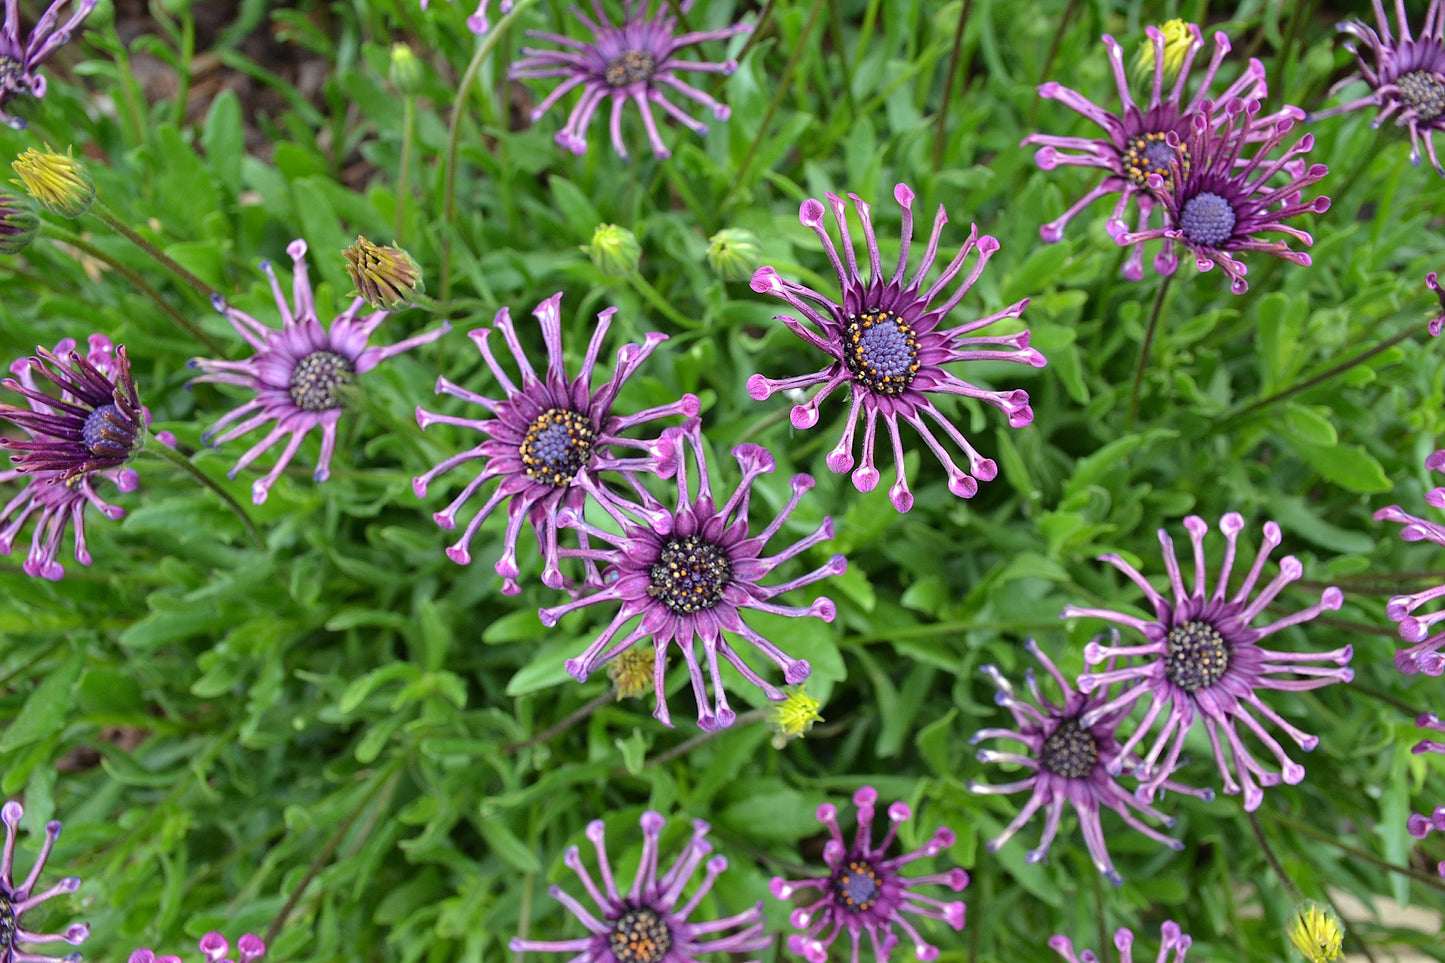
column 631, row 672
column 1316, row 932
column 734, row 253
column 405, row 70
column 1177, row 40
column 60, row 184
column 794, row 716
column 385, row 277
column 614, row 250
column 18, row 224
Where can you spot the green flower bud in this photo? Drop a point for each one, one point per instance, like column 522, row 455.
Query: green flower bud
column 631, row 672
column 385, row 277
column 18, row 224
column 734, row 253
column 61, row 185
column 794, row 716
column 405, row 71
column 614, row 250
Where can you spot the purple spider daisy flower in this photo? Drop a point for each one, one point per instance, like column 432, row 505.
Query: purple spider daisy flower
column 1432, row 281
column 16, row 901
column 477, row 22
column 865, row 890
column 650, row 924
column 690, row 573
column 1218, row 203
column 20, row 58
column 636, row 62
column 1202, row 659
column 1071, row 764
column 1426, row 654
column 1420, row 826
column 297, row 372
column 545, row 437
column 1173, row 939
column 885, row 340
column 1406, row 75
column 214, row 947
column 1135, row 142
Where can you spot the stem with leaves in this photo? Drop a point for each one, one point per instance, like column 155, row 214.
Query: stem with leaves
column 100, row 210
column 187, row 466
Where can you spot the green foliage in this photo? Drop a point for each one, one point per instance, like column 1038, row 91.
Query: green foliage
column 349, row 734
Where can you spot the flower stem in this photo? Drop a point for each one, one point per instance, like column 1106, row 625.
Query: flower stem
column 449, row 189
column 780, row 89
column 180, row 320
column 1149, row 332
column 653, row 297
column 552, row 731
column 1318, row 379
column 953, row 59
column 1426, row 879
column 1274, row 864
column 403, row 185
column 100, row 210
column 187, row 466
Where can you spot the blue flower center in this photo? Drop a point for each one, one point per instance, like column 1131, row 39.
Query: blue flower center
column 881, row 351
column 690, row 574
column 1196, row 656
column 316, row 378
column 629, row 67
column 1151, row 154
column 1421, row 92
column 558, row 443
column 1071, row 752
column 639, row 936
column 107, row 431
column 1207, row 219
column 857, row 886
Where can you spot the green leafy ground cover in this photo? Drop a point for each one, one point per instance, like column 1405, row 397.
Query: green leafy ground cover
column 356, row 747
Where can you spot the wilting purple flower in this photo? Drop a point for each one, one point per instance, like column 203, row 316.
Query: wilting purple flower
column 865, row 890
column 1174, row 939
column 636, row 62
column 545, row 438
column 95, row 424
column 690, row 573
column 1071, row 764
column 1202, row 660
column 1420, row 825
column 1219, row 201
column 21, row 57
column 297, row 372
column 1135, row 142
column 885, row 341
column 16, row 901
column 1406, row 75
column 214, row 948
column 477, row 22
column 650, row 923
column 1426, row 654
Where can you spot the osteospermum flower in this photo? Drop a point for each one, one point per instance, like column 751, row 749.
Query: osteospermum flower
column 636, row 61
column 95, row 423
column 16, row 901
column 1426, row 654
column 1174, row 946
column 477, row 22
column 548, row 441
column 297, row 373
column 1420, row 825
column 1202, row 660
column 1406, row 75
column 1218, row 204
column 21, row 57
column 886, row 341
column 1135, row 142
column 57, row 498
column 650, row 923
column 214, row 948
column 690, row 573
column 1070, row 765
column 865, row 890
